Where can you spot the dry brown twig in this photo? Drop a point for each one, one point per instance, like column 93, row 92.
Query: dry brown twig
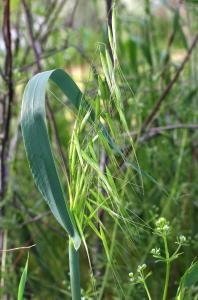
column 154, row 131
column 18, row 248
column 5, row 120
column 7, row 100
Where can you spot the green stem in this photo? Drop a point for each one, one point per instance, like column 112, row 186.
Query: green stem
column 74, row 271
column 147, row 291
column 105, row 277
column 167, row 268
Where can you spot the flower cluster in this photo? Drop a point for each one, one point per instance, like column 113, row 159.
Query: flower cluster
column 139, row 277
column 162, row 226
column 181, row 240
column 141, row 268
column 156, row 252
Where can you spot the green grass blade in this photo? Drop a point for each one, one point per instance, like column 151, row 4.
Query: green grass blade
column 37, row 143
column 23, row 281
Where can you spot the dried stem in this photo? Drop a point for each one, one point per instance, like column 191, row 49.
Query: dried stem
column 6, row 102
column 154, row 131
column 5, row 119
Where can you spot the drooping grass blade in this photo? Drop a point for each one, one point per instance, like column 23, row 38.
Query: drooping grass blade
column 37, row 143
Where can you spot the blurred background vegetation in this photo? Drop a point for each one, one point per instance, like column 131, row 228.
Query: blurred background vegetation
column 156, row 48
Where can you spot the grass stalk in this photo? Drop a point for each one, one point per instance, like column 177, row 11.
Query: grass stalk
column 74, row 271
column 167, row 268
column 147, row 290
column 107, row 270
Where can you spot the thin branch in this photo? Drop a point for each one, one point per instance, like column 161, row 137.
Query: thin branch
column 154, row 131
column 34, row 44
column 2, row 74
column 48, row 54
column 48, row 22
column 6, row 105
column 157, row 131
column 53, row 51
column 168, row 88
column 18, row 248
column 17, row 39
column 35, row 218
column 52, row 21
column 5, row 120
column 71, row 21
column 50, row 10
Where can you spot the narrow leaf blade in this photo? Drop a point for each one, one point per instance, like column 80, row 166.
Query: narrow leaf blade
column 22, row 282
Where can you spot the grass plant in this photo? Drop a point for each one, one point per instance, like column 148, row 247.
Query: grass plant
column 111, row 168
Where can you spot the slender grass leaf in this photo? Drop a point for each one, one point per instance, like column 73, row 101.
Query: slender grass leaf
column 23, row 281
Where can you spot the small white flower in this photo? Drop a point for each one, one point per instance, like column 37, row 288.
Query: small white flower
column 182, row 238
column 162, row 226
column 132, row 279
column 155, row 251
column 166, row 228
column 141, row 268
column 161, row 222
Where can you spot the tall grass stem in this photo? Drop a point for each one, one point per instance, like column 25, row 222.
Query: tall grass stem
column 167, row 268
column 74, row 271
column 147, row 290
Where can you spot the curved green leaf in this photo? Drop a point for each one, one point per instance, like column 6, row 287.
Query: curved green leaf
column 37, row 143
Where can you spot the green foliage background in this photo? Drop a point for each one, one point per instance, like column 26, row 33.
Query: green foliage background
column 70, row 39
